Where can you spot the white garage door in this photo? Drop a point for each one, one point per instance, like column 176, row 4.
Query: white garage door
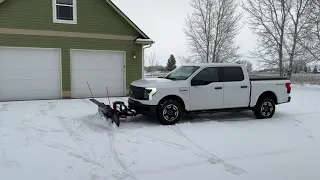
column 100, row 69
column 29, row 74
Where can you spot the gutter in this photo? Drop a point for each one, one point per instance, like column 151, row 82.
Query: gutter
column 144, row 41
column 143, row 48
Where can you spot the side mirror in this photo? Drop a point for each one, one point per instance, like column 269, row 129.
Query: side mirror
column 197, row 82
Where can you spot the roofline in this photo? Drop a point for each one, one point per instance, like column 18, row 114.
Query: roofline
column 127, row 19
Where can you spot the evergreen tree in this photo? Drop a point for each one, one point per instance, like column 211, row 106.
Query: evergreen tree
column 171, row 64
column 309, row 68
column 315, row 69
column 305, row 68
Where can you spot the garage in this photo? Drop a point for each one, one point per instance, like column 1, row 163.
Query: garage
column 101, row 68
column 29, row 73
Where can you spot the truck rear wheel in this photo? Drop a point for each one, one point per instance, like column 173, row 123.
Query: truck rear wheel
column 169, row 112
column 265, row 108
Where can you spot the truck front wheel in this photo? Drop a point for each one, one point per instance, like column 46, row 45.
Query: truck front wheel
column 265, row 108
column 169, row 112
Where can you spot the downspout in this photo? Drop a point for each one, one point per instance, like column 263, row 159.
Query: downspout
column 143, row 48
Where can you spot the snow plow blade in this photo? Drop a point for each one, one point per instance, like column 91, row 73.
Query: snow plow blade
column 119, row 110
column 107, row 112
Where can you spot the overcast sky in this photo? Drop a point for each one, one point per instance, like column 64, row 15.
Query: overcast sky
column 164, row 20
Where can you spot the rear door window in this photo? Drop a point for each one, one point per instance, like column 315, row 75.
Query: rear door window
column 229, row 74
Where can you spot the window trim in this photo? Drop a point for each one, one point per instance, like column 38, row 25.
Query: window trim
column 54, row 13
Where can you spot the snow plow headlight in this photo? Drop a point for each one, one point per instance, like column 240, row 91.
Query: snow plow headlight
column 149, row 93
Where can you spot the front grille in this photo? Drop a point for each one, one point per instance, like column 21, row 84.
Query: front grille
column 136, row 92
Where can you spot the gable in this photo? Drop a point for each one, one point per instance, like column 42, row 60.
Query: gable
column 127, row 19
column 94, row 16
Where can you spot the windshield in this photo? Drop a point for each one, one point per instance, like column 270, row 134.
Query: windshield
column 182, row 72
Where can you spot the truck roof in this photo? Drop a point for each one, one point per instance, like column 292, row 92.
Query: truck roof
column 212, row 64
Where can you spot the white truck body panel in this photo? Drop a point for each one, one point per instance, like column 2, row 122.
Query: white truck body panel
column 234, row 94
column 275, row 86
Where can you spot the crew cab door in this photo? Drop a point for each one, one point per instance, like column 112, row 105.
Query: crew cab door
column 206, row 92
column 236, row 87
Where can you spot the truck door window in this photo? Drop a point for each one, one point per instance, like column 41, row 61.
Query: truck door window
column 232, row 74
column 208, row 75
column 182, row 72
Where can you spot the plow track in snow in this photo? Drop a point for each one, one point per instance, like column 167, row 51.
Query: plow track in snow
column 120, row 163
column 210, row 157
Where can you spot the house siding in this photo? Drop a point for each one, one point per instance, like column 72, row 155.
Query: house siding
column 93, row 16
column 133, row 66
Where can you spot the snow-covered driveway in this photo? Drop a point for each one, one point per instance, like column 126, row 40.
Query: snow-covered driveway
column 67, row 140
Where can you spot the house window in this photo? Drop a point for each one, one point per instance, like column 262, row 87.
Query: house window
column 64, row 11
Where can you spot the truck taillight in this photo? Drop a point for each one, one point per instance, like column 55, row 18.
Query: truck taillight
column 288, row 86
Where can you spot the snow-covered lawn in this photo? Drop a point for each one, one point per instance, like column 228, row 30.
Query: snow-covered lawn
column 68, row 140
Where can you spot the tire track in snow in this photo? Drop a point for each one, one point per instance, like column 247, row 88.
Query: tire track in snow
column 305, row 132
column 276, row 117
column 210, row 157
column 4, row 162
column 45, row 108
column 74, row 136
column 153, row 139
column 4, row 107
column 125, row 170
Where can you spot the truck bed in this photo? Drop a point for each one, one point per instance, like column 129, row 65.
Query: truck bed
column 265, row 78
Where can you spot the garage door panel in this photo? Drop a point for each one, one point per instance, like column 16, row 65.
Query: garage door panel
column 98, row 75
column 29, row 74
column 97, row 81
column 32, row 84
column 20, row 94
column 98, row 91
column 101, row 69
column 31, row 58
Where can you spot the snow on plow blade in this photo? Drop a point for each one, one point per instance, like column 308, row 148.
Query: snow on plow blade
column 119, row 109
column 107, row 112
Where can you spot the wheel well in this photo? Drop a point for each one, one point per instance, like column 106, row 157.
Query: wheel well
column 174, row 97
column 268, row 94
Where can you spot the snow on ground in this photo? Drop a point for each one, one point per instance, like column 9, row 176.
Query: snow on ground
column 67, row 139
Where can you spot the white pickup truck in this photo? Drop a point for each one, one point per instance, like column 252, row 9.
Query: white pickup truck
column 207, row 88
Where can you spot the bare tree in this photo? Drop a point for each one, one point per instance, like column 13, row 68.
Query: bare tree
column 211, row 30
column 310, row 40
column 268, row 19
column 279, row 25
column 246, row 63
column 152, row 61
column 298, row 11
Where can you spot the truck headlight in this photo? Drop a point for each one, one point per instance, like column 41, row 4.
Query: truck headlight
column 149, row 92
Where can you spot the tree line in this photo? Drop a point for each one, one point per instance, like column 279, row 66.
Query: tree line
column 288, row 32
column 153, row 63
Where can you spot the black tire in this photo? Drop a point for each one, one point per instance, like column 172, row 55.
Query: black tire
column 176, row 111
column 267, row 104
